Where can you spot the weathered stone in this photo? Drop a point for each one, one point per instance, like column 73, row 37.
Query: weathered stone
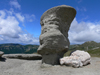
column 24, row 56
column 73, row 61
column 54, row 41
column 85, row 57
column 1, row 53
column 77, row 59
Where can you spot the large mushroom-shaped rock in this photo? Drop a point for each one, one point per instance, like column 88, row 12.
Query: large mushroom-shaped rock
column 1, row 53
column 55, row 24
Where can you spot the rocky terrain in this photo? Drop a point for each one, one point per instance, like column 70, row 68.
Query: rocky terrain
column 34, row 67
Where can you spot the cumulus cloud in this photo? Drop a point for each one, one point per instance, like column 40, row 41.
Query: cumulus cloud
column 23, row 39
column 11, row 32
column 9, row 25
column 79, row 1
column 81, row 9
column 28, row 39
column 2, row 14
column 20, row 17
column 30, row 18
column 15, row 4
column 84, row 31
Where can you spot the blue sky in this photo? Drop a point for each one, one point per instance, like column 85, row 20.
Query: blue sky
column 20, row 20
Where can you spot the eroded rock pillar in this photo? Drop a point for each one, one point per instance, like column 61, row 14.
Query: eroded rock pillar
column 55, row 24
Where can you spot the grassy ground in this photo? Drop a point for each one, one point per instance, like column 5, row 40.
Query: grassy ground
column 93, row 53
column 68, row 53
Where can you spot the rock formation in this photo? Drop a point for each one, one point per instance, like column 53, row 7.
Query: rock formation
column 84, row 57
column 1, row 53
column 55, row 24
column 77, row 59
column 23, row 56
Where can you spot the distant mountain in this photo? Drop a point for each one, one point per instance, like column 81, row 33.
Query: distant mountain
column 90, row 45
column 17, row 48
column 93, row 48
column 31, row 48
column 95, row 52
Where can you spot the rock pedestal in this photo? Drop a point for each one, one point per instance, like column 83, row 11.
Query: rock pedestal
column 23, row 56
column 55, row 24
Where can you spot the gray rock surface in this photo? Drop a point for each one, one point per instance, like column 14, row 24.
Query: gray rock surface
column 34, row 67
column 1, row 53
column 24, row 56
column 55, row 24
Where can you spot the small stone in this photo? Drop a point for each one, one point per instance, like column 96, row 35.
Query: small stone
column 1, row 53
column 24, row 56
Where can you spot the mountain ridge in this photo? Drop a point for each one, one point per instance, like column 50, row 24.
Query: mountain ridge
column 90, row 46
column 11, row 48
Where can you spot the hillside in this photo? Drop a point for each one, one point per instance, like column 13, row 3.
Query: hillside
column 93, row 48
column 95, row 52
column 90, row 45
column 17, row 48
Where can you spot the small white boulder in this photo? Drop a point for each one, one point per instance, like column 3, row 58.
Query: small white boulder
column 84, row 57
column 77, row 59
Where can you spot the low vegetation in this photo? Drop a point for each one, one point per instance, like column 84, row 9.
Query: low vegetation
column 17, row 48
column 95, row 52
column 93, row 48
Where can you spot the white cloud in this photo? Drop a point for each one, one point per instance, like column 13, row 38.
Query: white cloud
column 79, row 1
column 23, row 39
column 11, row 32
column 28, row 39
column 81, row 9
column 10, row 29
column 10, row 12
column 30, row 18
column 20, row 17
column 9, row 26
column 2, row 14
column 15, row 4
column 84, row 31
